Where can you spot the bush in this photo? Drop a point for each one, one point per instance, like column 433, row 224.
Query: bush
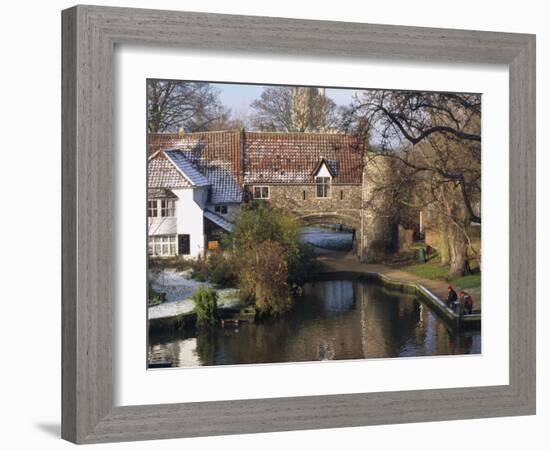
column 263, row 278
column 217, row 269
column 206, row 304
column 155, row 298
column 302, row 264
column 269, row 260
column 221, row 270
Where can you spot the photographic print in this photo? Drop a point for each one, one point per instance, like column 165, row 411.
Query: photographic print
column 310, row 223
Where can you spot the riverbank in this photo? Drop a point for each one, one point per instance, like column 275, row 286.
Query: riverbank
column 177, row 310
column 336, row 261
column 338, row 264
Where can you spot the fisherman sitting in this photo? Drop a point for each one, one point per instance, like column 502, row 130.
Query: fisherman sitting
column 467, row 302
column 451, row 297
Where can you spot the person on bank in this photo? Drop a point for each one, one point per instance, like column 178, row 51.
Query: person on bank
column 467, row 302
column 451, row 297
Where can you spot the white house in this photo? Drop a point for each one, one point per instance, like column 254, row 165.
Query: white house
column 184, row 202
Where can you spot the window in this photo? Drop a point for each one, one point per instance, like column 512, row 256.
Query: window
column 323, row 186
column 222, row 209
column 161, row 208
column 303, row 195
column 162, row 245
column 261, row 192
column 152, row 208
column 341, row 195
column 167, row 208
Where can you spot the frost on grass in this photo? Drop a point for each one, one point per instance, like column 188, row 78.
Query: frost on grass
column 179, row 288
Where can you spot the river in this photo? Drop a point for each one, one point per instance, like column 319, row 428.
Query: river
column 334, row 320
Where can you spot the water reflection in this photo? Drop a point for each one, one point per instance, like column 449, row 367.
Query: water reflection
column 334, row 320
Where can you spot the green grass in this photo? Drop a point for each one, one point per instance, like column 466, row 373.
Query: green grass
column 433, row 270
column 468, row 281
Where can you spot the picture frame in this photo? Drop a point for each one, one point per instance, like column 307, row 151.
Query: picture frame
column 90, row 34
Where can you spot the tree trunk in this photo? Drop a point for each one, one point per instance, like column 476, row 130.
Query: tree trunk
column 458, row 246
column 444, row 247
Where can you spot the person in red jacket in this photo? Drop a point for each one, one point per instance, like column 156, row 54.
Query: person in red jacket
column 467, row 302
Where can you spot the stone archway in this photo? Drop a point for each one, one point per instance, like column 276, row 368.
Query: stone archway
column 351, row 221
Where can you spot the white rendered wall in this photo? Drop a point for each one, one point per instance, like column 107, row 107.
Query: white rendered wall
column 190, row 219
column 162, row 225
column 232, row 210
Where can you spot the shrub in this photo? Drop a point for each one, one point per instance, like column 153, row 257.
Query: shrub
column 155, row 298
column 221, row 270
column 263, row 276
column 302, row 264
column 206, row 304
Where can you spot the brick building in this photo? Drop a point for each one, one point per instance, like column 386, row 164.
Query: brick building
column 318, row 177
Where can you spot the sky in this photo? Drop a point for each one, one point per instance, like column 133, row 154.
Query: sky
column 239, row 96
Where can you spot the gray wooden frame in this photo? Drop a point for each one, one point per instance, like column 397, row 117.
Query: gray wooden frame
column 89, row 36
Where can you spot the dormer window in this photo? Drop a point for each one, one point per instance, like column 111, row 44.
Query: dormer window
column 322, row 187
column 323, row 174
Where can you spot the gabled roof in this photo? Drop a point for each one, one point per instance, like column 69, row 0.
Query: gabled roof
column 330, row 165
column 293, row 157
column 163, row 174
column 184, row 165
column 229, row 159
column 218, row 220
column 217, row 155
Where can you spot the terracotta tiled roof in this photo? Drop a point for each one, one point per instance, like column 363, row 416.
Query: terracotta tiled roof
column 229, row 159
column 293, row 157
column 162, row 174
column 217, row 155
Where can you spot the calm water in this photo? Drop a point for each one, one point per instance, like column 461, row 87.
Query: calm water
column 334, row 320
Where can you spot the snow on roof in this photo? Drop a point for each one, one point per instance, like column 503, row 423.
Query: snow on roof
column 218, row 220
column 294, row 157
column 162, row 174
column 186, row 168
column 230, row 159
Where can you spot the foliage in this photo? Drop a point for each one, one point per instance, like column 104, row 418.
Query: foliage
column 221, row 269
column 302, row 265
column 433, row 142
column 269, row 258
column 263, row 277
column 217, row 268
column 258, row 222
column 206, row 304
column 155, row 298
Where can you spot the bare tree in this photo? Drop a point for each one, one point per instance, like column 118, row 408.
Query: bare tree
column 293, row 109
column 401, row 118
column 433, row 140
column 191, row 106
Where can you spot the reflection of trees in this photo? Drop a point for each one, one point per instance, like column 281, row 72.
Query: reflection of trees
column 367, row 321
column 206, row 346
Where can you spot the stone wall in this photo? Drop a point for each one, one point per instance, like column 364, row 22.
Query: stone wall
column 379, row 214
column 343, row 205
